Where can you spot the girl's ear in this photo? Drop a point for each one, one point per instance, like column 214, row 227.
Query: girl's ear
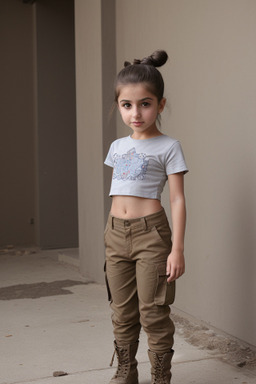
column 161, row 105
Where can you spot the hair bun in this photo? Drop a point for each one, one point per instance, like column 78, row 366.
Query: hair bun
column 157, row 59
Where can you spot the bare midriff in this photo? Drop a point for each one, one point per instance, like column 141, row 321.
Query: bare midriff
column 132, row 207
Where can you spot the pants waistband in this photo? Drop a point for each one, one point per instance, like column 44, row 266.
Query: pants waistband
column 145, row 221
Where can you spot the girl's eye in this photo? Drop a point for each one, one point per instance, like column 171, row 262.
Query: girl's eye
column 126, row 105
column 145, row 104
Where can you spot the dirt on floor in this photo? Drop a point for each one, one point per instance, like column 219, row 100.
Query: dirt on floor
column 38, row 290
column 228, row 349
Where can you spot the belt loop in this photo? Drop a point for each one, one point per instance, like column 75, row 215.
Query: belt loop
column 112, row 222
column 145, row 226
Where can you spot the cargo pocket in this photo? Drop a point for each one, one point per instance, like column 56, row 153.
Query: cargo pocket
column 106, row 280
column 165, row 292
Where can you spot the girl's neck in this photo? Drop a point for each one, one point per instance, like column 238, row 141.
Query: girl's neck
column 145, row 135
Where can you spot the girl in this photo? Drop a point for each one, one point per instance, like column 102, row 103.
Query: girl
column 142, row 261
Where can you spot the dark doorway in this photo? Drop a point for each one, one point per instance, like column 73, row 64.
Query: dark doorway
column 38, row 157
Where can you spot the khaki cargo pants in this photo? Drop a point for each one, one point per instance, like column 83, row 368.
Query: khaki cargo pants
column 136, row 254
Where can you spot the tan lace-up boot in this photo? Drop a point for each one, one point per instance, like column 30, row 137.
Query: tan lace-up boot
column 126, row 372
column 161, row 367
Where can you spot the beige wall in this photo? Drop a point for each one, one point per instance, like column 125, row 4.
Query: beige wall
column 89, row 139
column 211, row 91
column 95, row 56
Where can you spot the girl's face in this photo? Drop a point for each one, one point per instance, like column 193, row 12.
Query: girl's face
column 139, row 109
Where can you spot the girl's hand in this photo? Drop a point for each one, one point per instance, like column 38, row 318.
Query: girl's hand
column 175, row 265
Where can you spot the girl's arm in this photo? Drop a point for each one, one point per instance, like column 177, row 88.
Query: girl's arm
column 176, row 262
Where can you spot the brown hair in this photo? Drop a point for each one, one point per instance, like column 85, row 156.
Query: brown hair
column 143, row 71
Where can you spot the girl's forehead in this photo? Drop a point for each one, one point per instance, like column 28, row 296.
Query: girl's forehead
column 134, row 91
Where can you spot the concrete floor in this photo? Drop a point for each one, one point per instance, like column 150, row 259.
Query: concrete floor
column 52, row 319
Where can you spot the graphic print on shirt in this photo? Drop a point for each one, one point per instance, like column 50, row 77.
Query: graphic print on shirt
column 130, row 166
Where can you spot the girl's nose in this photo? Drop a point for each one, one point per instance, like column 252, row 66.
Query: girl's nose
column 136, row 112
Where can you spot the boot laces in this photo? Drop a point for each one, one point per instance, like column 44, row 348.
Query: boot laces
column 123, row 362
column 158, row 374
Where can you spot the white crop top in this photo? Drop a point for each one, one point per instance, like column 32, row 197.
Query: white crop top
column 141, row 167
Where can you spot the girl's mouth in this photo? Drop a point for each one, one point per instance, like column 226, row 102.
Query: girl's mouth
column 137, row 123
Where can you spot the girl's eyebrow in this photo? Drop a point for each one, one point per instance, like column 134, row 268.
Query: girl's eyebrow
column 128, row 101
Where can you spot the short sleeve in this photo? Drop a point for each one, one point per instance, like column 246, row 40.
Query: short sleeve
column 109, row 159
column 175, row 160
